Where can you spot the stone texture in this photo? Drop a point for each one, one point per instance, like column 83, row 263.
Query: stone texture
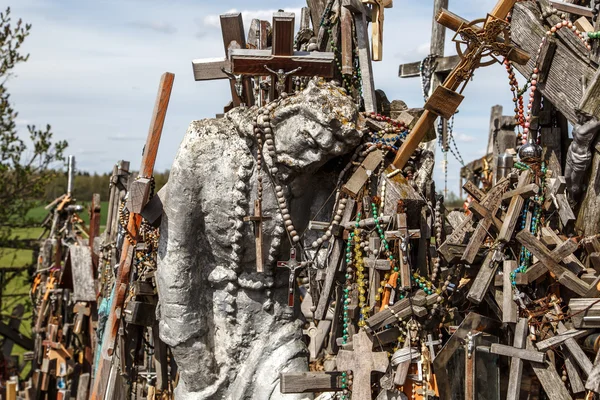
column 230, row 329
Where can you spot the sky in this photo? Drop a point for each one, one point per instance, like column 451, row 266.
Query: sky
column 95, row 66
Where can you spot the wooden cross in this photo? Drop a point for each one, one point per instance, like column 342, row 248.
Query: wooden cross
column 317, row 334
column 135, row 220
column 445, row 100
column 377, row 17
column 293, row 265
column 281, row 58
column 404, row 308
column 558, row 195
column 362, row 361
column 258, row 219
column 232, row 27
column 404, row 357
column 357, row 9
column 561, row 254
column 402, row 235
column 563, row 275
column 514, row 210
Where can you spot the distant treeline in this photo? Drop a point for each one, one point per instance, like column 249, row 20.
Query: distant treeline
column 87, row 184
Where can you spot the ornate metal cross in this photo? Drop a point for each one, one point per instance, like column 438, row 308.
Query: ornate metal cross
column 493, row 40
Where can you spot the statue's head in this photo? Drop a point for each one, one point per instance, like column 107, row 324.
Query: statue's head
column 313, row 127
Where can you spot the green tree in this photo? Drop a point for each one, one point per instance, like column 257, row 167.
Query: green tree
column 25, row 165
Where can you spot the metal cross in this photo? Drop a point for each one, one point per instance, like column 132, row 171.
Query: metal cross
column 293, row 265
column 431, row 343
column 519, row 296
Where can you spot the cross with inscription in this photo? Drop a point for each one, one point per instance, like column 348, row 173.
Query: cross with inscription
column 258, row 219
column 282, row 56
column 377, row 23
column 362, row 361
column 293, row 265
column 481, row 42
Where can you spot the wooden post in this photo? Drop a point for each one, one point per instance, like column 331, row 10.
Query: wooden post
column 378, row 15
column 133, row 225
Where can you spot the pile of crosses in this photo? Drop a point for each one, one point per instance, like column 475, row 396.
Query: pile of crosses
column 499, row 301
column 63, row 297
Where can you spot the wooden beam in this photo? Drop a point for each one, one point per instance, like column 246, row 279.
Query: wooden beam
column 572, row 8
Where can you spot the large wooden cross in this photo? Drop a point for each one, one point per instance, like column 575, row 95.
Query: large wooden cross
column 482, row 42
column 133, row 227
column 232, row 27
column 362, row 361
column 282, row 56
column 377, row 17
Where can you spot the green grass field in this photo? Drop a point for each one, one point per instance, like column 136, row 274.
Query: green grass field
column 17, row 289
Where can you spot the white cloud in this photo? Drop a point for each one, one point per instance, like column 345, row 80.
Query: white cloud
column 156, row 26
column 461, row 137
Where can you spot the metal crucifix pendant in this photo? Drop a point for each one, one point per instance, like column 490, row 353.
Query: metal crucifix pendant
column 293, row 265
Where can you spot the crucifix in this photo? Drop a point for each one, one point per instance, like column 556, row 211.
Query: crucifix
column 282, row 56
column 293, row 265
column 362, row 361
column 281, row 78
column 232, row 27
column 258, row 219
column 431, row 344
column 481, row 42
column 377, row 16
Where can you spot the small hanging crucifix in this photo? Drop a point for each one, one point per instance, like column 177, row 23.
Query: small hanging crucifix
column 293, row 265
column 281, row 77
column 258, row 219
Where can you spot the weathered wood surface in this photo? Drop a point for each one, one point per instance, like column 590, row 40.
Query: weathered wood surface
column 563, row 82
column 310, row 382
column 80, row 258
column 514, row 352
column 578, row 355
column 572, row 8
column 400, row 309
column 515, row 208
column 444, row 65
column 516, row 364
column 510, row 312
column 585, row 307
column 484, row 278
column 362, row 173
column 559, row 339
column 549, row 378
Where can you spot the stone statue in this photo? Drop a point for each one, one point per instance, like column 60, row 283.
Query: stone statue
column 579, row 156
column 230, row 328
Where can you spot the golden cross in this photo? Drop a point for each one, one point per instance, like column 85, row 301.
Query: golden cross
column 490, row 40
column 377, row 23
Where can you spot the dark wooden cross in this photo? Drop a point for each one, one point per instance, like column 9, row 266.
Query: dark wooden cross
column 293, row 265
column 362, row 361
column 282, row 56
column 234, row 36
column 481, row 42
column 258, row 219
column 377, row 17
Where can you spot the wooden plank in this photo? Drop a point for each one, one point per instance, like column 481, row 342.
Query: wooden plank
column 484, row 278
column 234, row 35
column 139, row 193
column 510, row 313
column 310, row 382
column 524, row 192
column 83, row 387
column 575, row 350
column 546, row 56
column 347, row 42
column 509, row 351
column 559, row 339
column 549, row 378
column 514, row 209
column 583, row 25
column 80, row 259
column 569, row 259
column 362, row 173
column 593, row 381
column 572, row 8
column 400, row 309
column 443, row 65
column 283, row 33
column 208, row 69
column 333, row 264
column 516, row 364
column 444, row 102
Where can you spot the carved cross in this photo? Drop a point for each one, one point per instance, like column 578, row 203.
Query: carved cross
column 481, row 42
column 362, row 361
column 293, row 265
column 402, row 235
column 258, row 219
column 281, row 56
column 377, row 17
